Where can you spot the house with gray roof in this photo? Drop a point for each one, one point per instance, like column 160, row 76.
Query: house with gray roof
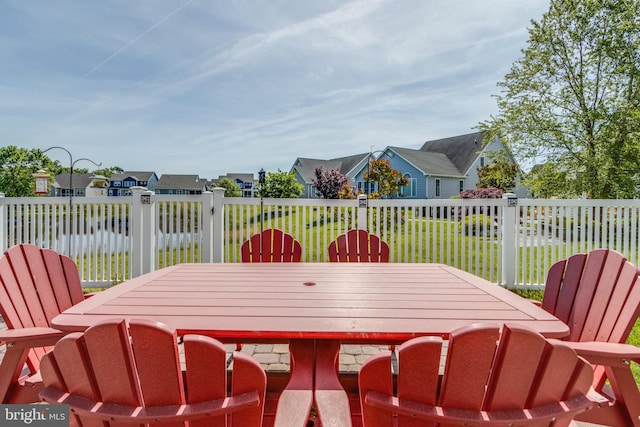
column 181, row 184
column 120, row 183
column 79, row 185
column 245, row 181
column 305, row 170
column 441, row 168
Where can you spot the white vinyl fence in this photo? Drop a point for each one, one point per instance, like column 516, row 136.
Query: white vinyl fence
column 507, row 241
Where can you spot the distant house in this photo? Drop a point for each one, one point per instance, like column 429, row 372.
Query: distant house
column 78, row 184
column 120, row 183
column 245, row 181
column 440, row 169
column 305, row 170
column 181, row 184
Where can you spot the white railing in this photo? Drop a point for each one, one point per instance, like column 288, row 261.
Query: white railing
column 510, row 242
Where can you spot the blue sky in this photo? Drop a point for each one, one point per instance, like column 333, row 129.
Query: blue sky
column 209, row 87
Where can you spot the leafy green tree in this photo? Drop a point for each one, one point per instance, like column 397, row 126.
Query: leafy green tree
column 231, row 188
column 281, row 185
column 108, row 172
column 499, row 175
column 17, row 166
column 389, row 180
column 329, row 183
column 572, row 101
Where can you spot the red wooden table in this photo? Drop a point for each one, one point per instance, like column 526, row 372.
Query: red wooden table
column 313, row 306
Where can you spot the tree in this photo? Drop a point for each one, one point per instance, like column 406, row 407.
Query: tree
column 499, row 175
column 572, row 101
column 17, row 166
column 329, row 183
column 281, row 185
column 389, row 180
column 108, row 172
column 231, row 188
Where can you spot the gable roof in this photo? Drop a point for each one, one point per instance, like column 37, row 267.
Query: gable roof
column 244, row 177
column 306, row 167
column 181, row 182
column 429, row 163
column 80, row 180
column 138, row 175
column 462, row 150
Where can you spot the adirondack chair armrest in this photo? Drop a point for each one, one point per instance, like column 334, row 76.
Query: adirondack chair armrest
column 150, row 414
column 605, row 353
column 30, row 337
column 543, row 413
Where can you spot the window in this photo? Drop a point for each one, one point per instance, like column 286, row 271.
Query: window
column 409, row 190
column 437, row 187
column 461, row 185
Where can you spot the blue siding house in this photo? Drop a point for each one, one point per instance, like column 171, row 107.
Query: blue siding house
column 440, row 169
column 120, row 183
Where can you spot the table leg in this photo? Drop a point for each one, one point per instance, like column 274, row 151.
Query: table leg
column 331, row 399
column 294, row 404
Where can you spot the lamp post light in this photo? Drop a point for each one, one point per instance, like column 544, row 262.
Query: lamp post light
column 261, row 181
column 72, row 163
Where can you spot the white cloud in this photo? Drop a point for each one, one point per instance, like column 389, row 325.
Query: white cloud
column 217, row 87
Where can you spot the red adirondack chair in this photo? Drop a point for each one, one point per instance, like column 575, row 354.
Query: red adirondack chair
column 358, row 246
column 119, row 373
column 272, row 245
column 35, row 285
column 598, row 296
column 492, row 377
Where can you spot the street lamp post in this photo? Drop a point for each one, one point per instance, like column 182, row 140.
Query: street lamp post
column 72, row 163
column 261, row 181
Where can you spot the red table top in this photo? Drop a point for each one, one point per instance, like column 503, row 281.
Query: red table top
column 347, row 301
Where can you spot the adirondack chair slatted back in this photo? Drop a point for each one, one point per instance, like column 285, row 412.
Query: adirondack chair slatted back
column 596, row 294
column 132, row 374
column 508, row 375
column 358, row 246
column 36, row 285
column 271, row 245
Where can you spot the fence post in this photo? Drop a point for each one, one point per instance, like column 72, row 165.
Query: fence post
column 3, row 225
column 207, row 227
column 509, row 239
column 217, row 212
column 363, row 204
column 142, row 226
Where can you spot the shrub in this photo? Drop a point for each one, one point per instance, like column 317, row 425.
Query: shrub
column 475, row 225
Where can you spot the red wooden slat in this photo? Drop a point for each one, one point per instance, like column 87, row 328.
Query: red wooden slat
column 587, row 288
column 569, row 290
column 418, row 373
column 376, row 376
column 514, row 368
column 607, row 282
column 248, row 376
column 554, row 377
column 109, row 350
column 206, row 374
column 552, row 287
column 22, row 290
column 70, row 369
column 469, row 357
column 36, row 263
column 272, row 245
column 358, row 245
column 157, row 362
